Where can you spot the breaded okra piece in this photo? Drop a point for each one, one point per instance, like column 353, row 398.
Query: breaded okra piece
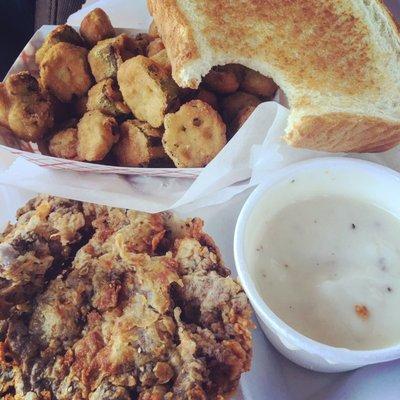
column 139, row 144
column 148, row 89
column 97, row 133
column 194, row 135
column 96, row 26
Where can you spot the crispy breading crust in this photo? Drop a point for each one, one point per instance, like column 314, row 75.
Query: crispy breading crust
column 65, row 72
column 161, row 58
column 106, row 97
column 97, row 133
column 39, row 244
column 148, row 89
column 5, row 103
column 96, row 26
column 139, row 144
column 255, row 83
column 194, row 135
column 25, row 108
column 147, row 310
column 64, row 144
column 107, row 56
column 62, row 33
column 231, row 105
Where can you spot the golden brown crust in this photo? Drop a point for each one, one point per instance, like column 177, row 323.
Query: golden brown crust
column 96, row 26
column 25, row 108
column 107, row 56
column 193, row 135
column 62, row 33
column 106, row 97
column 40, row 241
column 231, row 105
column 135, row 147
column 242, row 116
column 343, row 132
column 65, row 72
column 148, row 89
column 161, row 58
column 155, row 47
column 97, row 133
column 64, row 144
column 255, row 83
column 221, row 80
column 5, row 104
column 208, row 97
column 175, row 32
column 145, row 310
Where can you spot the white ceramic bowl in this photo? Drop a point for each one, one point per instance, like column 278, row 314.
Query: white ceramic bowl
column 325, row 176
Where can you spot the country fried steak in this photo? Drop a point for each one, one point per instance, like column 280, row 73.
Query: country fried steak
column 45, row 237
column 143, row 308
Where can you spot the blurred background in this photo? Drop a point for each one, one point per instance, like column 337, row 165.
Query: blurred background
column 20, row 18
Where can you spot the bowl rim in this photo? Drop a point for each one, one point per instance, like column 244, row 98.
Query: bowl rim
column 288, row 335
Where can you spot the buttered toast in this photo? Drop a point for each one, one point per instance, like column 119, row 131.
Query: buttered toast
column 337, row 61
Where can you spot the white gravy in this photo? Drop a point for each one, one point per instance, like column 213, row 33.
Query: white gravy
column 330, row 268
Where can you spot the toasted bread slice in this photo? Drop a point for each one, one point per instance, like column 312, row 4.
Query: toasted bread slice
column 338, row 61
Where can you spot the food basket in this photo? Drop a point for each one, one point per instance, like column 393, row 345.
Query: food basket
column 30, row 151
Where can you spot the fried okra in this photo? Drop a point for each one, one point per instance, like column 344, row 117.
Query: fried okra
column 63, row 33
column 237, row 69
column 107, row 56
column 161, row 58
column 96, row 135
column 222, row 80
column 5, row 104
column 208, row 97
column 148, row 90
column 64, row 71
column 255, row 83
column 155, row 47
column 31, row 113
column 231, row 105
column 194, row 135
column 37, row 247
column 106, row 97
column 64, row 144
column 241, row 118
column 31, row 120
column 142, row 41
column 139, row 144
column 96, row 26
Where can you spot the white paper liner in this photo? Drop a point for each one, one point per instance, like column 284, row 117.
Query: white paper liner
column 224, row 177
column 252, row 155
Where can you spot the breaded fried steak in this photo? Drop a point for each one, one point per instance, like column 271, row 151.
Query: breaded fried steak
column 146, row 310
column 43, row 240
